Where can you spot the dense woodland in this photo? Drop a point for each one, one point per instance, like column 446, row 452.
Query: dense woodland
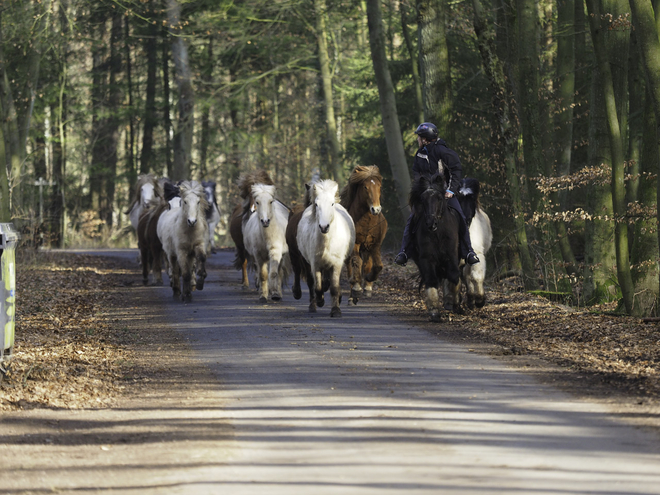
column 552, row 105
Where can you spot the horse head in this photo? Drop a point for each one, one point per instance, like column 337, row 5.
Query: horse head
column 428, row 199
column 209, row 190
column 363, row 188
column 324, row 199
column 263, row 196
column 193, row 201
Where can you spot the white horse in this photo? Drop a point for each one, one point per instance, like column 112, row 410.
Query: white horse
column 265, row 241
column 212, row 212
column 473, row 276
column 325, row 239
column 481, row 236
column 184, row 233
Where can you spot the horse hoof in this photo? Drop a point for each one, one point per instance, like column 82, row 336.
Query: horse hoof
column 449, row 307
column 263, row 300
column 145, row 282
column 435, row 317
column 158, row 282
column 368, row 294
column 335, row 313
column 352, row 302
column 186, row 298
column 355, row 294
column 276, row 297
column 320, row 300
column 312, row 308
column 200, row 284
column 297, row 292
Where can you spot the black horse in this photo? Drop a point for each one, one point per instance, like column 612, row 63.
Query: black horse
column 434, row 246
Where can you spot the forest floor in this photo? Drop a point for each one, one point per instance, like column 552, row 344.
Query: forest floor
column 74, row 350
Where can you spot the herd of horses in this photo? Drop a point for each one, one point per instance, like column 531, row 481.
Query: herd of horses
column 314, row 241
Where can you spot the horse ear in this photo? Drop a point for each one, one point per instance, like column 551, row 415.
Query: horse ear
column 307, row 186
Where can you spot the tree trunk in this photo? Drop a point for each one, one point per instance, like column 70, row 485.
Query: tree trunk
column 645, row 271
column 5, row 205
column 183, row 134
column 618, row 185
column 167, row 119
column 207, row 79
column 326, row 78
column 130, row 156
column 434, row 66
column 151, row 50
column 528, row 92
column 505, row 134
column 564, row 117
column 414, row 60
column 388, row 111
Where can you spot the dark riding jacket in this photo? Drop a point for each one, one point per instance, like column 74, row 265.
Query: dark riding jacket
column 428, row 157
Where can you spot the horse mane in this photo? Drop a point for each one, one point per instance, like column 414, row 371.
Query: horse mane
column 170, row 190
column 141, row 181
column 470, row 189
column 360, row 174
column 247, row 180
column 323, row 186
column 193, row 187
column 425, row 182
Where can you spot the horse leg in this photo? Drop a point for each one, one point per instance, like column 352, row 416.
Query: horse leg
column 200, row 256
column 186, row 276
column 144, row 255
column 245, row 281
column 263, row 281
column 296, row 290
column 274, row 281
column 319, row 289
column 335, row 292
column 355, row 275
column 433, row 303
column 156, row 256
column 176, row 275
column 452, row 297
column 370, row 270
column 311, row 287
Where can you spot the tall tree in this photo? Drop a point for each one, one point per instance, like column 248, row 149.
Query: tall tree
column 320, row 10
column 388, row 109
column 434, row 66
column 183, row 134
column 606, row 81
column 150, row 118
column 414, row 59
column 505, row 133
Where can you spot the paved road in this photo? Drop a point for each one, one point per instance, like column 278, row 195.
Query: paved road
column 365, row 404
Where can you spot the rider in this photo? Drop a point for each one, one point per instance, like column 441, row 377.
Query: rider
column 431, row 151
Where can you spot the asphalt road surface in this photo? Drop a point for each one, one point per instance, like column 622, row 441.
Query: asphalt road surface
column 365, row 404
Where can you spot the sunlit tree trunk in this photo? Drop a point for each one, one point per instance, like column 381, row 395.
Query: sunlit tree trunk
column 645, row 271
column 434, row 66
column 326, row 78
column 606, row 81
column 150, row 118
column 204, row 138
column 167, row 119
column 564, row 116
column 183, row 134
column 388, row 110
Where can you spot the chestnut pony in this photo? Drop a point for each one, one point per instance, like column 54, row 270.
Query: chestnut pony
column 361, row 197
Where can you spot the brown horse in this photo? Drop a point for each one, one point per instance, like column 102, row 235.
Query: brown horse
column 361, row 197
column 242, row 211
column 151, row 249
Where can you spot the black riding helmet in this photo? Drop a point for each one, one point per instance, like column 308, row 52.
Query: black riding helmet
column 427, row 131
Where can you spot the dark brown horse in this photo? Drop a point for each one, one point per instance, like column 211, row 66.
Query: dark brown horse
column 361, row 197
column 151, row 249
column 242, row 211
